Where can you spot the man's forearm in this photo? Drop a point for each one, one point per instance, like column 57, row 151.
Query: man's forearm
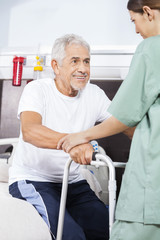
column 41, row 136
column 37, row 134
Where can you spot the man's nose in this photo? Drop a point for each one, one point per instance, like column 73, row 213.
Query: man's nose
column 82, row 67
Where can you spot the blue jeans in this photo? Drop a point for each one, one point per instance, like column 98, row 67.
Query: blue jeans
column 86, row 217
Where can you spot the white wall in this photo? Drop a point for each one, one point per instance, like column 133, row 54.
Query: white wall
column 28, row 23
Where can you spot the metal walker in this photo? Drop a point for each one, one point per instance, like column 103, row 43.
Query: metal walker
column 101, row 160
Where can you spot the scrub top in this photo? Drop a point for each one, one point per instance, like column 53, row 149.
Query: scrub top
column 137, row 103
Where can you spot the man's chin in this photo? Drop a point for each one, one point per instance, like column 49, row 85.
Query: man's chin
column 79, row 86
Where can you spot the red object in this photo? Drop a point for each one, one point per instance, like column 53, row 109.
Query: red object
column 28, row 81
column 17, row 70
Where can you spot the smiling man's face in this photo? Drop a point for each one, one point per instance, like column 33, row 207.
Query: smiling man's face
column 74, row 72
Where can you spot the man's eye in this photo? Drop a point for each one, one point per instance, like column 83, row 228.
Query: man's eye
column 74, row 61
column 86, row 62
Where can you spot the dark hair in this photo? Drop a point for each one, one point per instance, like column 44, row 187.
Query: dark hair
column 137, row 5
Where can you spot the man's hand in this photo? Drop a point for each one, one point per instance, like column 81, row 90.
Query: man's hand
column 82, row 154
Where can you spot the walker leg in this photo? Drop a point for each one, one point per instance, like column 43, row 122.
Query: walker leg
column 105, row 160
column 63, row 200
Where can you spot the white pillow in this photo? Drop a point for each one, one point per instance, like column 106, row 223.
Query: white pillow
column 4, row 167
column 19, row 220
column 4, row 190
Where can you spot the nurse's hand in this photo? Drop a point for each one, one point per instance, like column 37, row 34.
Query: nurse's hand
column 71, row 140
column 82, row 154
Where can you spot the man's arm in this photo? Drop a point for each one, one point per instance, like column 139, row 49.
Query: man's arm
column 35, row 133
column 40, row 136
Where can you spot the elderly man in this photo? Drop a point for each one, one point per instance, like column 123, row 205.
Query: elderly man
column 48, row 110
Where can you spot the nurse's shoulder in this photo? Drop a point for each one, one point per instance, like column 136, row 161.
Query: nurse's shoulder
column 149, row 46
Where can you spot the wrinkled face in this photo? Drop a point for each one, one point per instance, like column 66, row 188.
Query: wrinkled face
column 143, row 26
column 74, row 72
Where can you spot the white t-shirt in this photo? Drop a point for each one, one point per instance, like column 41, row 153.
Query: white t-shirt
column 62, row 114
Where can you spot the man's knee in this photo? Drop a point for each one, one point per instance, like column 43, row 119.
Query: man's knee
column 73, row 233
column 72, row 230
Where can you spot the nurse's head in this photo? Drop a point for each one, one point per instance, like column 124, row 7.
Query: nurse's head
column 146, row 16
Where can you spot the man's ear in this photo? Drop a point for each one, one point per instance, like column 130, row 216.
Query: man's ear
column 55, row 66
column 149, row 13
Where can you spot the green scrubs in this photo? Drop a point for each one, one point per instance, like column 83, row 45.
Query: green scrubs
column 137, row 103
column 135, row 231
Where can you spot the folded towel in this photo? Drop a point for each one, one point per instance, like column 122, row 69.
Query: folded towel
column 92, row 181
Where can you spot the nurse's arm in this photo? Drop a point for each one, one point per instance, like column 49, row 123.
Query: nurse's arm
column 109, row 127
column 129, row 132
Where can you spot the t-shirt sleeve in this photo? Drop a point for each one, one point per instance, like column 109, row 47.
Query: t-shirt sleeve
column 137, row 93
column 31, row 99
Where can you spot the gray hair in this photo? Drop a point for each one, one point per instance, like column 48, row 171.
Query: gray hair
column 59, row 47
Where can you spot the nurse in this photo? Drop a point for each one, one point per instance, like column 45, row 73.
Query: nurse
column 137, row 103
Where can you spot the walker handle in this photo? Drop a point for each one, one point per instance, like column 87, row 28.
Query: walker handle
column 94, row 156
